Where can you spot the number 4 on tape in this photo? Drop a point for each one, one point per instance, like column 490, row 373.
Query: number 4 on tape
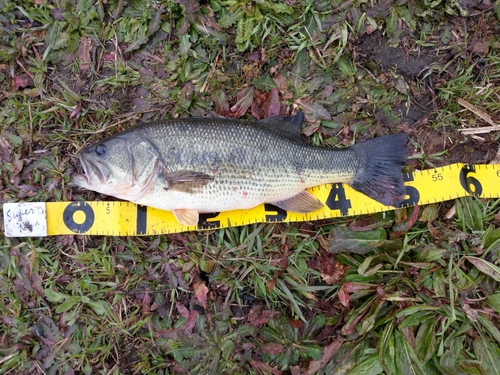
column 28, row 219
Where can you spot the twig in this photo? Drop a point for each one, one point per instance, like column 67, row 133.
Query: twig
column 480, row 113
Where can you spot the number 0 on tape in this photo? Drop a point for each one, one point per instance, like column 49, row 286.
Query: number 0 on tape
column 128, row 219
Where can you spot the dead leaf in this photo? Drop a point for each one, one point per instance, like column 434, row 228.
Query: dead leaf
column 296, row 323
column 221, row 105
column 256, row 108
column 258, row 316
column 479, row 47
column 190, row 323
column 272, row 105
column 403, row 226
column 263, row 368
column 343, row 295
column 84, row 49
column 191, row 6
column 201, row 291
column 328, row 352
column 271, row 284
column 331, row 272
column 272, row 348
column 146, row 304
column 313, row 111
column 333, row 275
column 36, row 283
column 244, row 100
column 170, row 333
column 21, row 81
column 282, row 86
column 326, row 92
column 348, row 329
column 353, row 287
column 182, row 310
column 76, row 112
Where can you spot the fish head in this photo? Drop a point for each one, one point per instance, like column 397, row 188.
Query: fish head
column 119, row 166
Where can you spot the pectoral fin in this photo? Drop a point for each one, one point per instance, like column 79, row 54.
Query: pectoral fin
column 302, row 203
column 187, row 217
column 186, row 181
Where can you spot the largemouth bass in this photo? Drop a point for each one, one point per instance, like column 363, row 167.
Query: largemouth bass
column 200, row 165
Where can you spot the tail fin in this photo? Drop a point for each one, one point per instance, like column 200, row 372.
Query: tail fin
column 381, row 177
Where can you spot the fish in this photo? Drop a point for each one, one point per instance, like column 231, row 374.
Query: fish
column 199, row 165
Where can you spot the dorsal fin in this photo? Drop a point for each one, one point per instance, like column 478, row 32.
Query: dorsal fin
column 289, row 127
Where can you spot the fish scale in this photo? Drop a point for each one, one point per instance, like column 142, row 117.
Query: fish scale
column 203, row 165
column 272, row 173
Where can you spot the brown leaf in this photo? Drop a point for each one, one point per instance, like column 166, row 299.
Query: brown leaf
column 254, row 56
column 405, row 225
column 84, row 49
column 258, row 316
column 257, row 107
column 273, row 348
column 146, row 303
column 191, row 6
column 266, row 369
column 479, row 46
column 201, row 291
column 244, row 100
column 353, row 287
column 21, row 81
column 348, row 329
column 221, row 105
column 36, row 283
column 170, row 333
column 282, row 86
column 188, row 326
column 313, row 111
column 343, row 295
column 182, row 310
column 271, row 284
column 272, row 105
column 76, row 112
column 332, row 275
column 328, row 352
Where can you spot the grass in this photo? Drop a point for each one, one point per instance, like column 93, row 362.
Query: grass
column 418, row 293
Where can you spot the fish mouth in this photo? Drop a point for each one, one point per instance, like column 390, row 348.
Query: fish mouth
column 94, row 173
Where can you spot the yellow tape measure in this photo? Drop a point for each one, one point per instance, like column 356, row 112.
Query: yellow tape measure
column 128, row 219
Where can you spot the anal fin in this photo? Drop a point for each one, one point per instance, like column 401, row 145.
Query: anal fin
column 302, row 203
column 186, row 217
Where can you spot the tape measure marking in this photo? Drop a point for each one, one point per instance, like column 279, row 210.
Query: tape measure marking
column 125, row 218
column 141, row 220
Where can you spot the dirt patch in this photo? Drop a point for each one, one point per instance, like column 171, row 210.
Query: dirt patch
column 375, row 47
column 440, row 146
column 374, row 52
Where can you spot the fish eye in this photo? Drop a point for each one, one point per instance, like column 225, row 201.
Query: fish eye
column 100, row 150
